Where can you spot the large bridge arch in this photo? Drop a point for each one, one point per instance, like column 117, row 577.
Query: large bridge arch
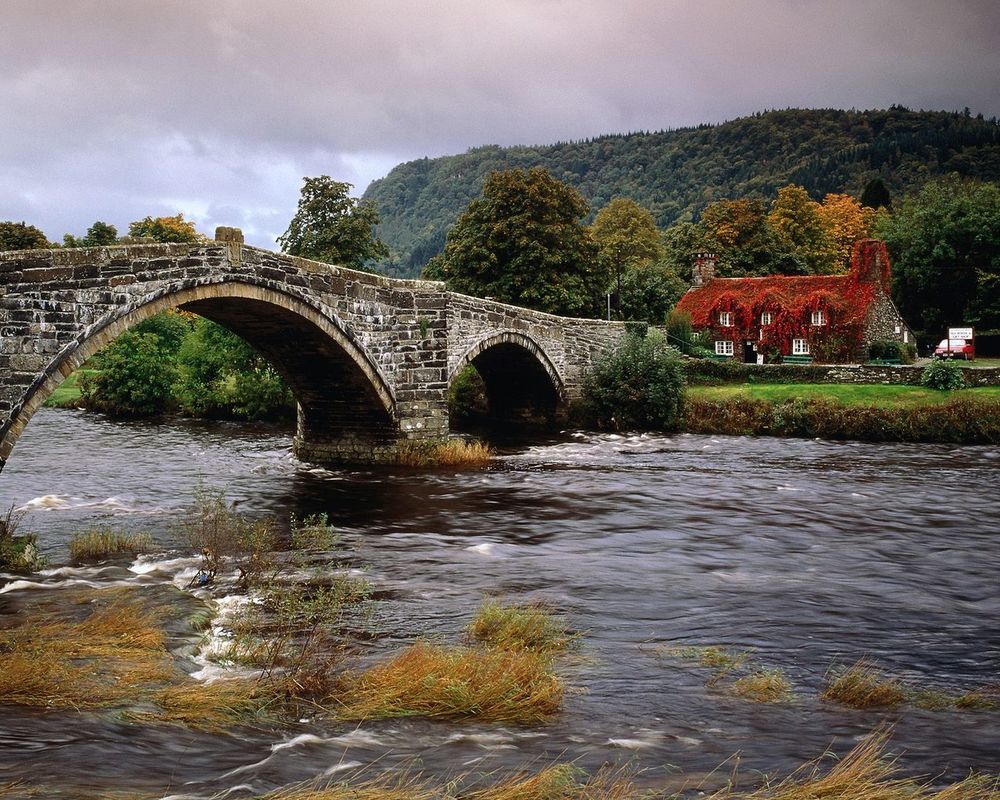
column 346, row 404
column 521, row 382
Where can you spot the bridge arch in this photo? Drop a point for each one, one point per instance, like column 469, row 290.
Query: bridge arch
column 346, row 405
column 521, row 382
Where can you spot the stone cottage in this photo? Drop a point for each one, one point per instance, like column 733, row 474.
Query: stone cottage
column 828, row 318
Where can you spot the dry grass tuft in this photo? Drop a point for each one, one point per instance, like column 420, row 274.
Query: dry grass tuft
column 52, row 664
column 519, row 627
column 99, row 543
column 863, row 774
column 986, row 698
column 864, row 685
column 430, row 680
column 763, row 686
column 452, row 453
column 558, row 782
column 213, row 706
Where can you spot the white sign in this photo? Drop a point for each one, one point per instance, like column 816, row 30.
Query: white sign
column 960, row 333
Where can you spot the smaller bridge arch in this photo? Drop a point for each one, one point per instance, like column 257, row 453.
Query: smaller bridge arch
column 521, row 382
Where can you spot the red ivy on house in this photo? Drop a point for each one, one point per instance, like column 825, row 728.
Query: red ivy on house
column 845, row 300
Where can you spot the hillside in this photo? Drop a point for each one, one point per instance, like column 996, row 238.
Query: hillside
column 675, row 173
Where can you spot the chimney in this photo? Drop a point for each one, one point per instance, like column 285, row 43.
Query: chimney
column 703, row 270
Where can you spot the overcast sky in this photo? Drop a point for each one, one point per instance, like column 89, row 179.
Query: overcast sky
column 116, row 109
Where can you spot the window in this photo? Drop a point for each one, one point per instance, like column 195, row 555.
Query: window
column 726, row 319
column 724, row 348
column 819, row 317
column 766, row 318
column 800, row 347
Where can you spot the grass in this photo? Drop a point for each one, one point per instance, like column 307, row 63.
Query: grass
column 863, row 395
column 557, row 782
column 864, row 685
column 436, row 681
column 452, row 453
column 519, row 627
column 763, row 686
column 863, row 774
column 115, row 657
column 99, row 543
column 68, row 393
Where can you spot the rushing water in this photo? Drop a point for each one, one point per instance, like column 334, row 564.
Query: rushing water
column 811, row 553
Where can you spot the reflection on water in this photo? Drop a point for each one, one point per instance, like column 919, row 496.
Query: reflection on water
column 812, row 553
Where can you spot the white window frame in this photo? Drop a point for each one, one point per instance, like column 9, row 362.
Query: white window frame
column 800, row 347
column 726, row 319
column 766, row 318
column 724, row 347
column 819, row 317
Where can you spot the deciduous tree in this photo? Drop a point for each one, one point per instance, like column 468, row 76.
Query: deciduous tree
column 165, row 229
column 627, row 241
column 846, row 220
column 523, row 241
column 797, row 220
column 332, row 226
column 945, row 245
column 21, row 236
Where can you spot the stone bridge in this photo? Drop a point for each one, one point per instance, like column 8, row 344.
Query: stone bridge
column 369, row 358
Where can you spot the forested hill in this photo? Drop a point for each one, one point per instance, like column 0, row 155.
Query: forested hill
column 676, row 173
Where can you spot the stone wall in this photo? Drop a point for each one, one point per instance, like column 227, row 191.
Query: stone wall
column 708, row 371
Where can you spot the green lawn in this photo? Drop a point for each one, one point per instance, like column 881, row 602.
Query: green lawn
column 67, row 394
column 845, row 394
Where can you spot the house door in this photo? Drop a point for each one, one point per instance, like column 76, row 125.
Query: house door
column 749, row 353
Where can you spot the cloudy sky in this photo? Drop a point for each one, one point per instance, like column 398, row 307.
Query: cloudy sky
column 115, row 109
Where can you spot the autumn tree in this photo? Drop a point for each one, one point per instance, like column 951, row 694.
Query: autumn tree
column 739, row 233
column 945, row 246
column 332, row 226
column 524, row 242
column 627, row 241
column 21, row 236
column 165, row 229
column 798, row 222
column 846, row 221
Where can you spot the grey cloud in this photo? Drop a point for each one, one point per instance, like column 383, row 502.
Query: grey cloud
column 120, row 108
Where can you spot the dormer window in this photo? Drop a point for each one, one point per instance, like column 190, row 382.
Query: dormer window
column 766, row 318
column 818, row 317
column 726, row 319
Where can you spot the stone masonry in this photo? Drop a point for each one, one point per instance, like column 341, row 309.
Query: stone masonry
column 369, row 358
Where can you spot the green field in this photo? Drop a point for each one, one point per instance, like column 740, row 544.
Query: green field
column 844, row 394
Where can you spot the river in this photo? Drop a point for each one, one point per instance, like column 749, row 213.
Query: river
column 809, row 553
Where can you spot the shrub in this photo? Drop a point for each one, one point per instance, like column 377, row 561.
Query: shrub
column 679, row 331
column 467, row 395
column 639, row 385
column 220, row 375
column 224, row 537
column 943, row 374
column 18, row 553
column 885, row 349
